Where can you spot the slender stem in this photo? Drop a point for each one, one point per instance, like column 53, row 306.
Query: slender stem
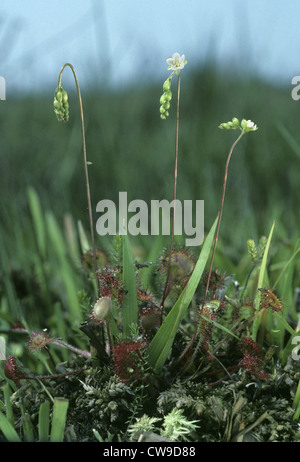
column 190, row 344
column 79, row 351
column 246, row 283
column 85, row 167
column 220, row 215
column 55, row 376
column 174, row 192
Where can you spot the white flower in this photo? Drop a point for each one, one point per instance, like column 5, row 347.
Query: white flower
column 248, row 125
column 176, row 62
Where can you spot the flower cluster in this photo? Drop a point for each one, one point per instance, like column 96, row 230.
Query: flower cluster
column 245, row 125
column 175, row 64
column 165, row 99
column 61, row 105
column 256, row 252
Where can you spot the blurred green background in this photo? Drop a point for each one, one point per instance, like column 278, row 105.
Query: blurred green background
column 131, row 149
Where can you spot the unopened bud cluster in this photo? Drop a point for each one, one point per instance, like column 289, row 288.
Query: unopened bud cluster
column 165, row 99
column 235, row 123
column 245, row 125
column 256, row 252
column 175, row 63
column 61, row 105
column 252, row 250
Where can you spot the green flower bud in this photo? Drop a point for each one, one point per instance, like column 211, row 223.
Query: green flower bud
column 59, row 96
column 262, row 245
column 168, row 95
column 167, row 85
column 102, row 308
column 165, row 99
column 245, row 126
column 244, row 123
column 61, row 105
column 252, row 250
column 56, row 104
column 225, row 126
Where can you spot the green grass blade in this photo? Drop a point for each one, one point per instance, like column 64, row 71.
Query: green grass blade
column 261, row 277
column 8, row 430
column 98, row 436
column 289, row 138
column 296, row 402
column 161, row 344
column 67, row 274
column 8, row 406
column 288, row 263
column 27, row 426
column 38, row 221
column 6, row 280
column 59, row 417
column 219, row 326
column 130, row 306
column 285, row 324
column 44, row 420
column 285, row 283
column 297, row 413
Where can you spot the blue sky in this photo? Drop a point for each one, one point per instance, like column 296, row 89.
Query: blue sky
column 121, row 40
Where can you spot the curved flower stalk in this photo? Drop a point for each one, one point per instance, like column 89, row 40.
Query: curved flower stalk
column 61, row 109
column 245, row 126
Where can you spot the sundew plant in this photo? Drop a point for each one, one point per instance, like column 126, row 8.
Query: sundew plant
column 172, row 349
